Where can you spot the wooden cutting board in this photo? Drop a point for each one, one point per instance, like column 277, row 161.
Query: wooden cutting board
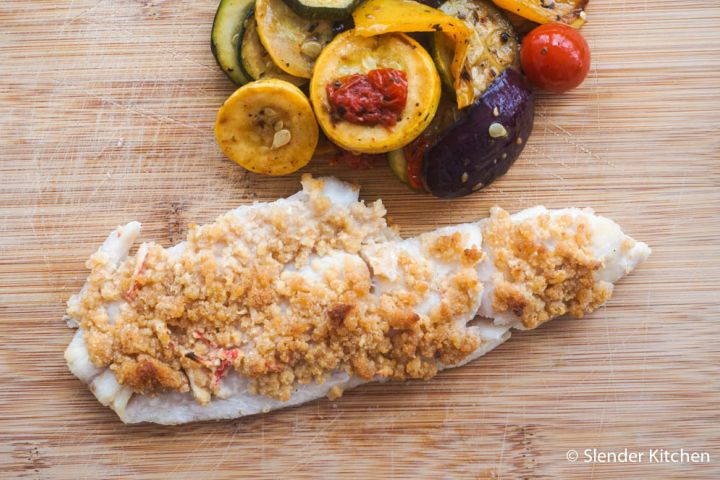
column 106, row 115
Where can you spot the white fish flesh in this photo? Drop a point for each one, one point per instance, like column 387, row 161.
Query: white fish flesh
column 181, row 334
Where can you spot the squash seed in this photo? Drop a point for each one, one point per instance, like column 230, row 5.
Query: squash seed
column 497, row 130
column 311, row 48
column 281, row 138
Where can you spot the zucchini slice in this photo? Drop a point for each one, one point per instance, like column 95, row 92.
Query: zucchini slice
column 398, row 164
column 268, row 127
column 255, row 59
column 441, row 49
column 227, row 30
column 293, row 42
column 327, row 9
column 493, row 48
column 349, row 54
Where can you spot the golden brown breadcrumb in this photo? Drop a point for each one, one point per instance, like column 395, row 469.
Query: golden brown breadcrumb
column 226, row 302
column 541, row 283
column 283, row 295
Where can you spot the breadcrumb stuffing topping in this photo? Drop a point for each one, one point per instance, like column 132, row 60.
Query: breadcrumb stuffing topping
column 546, row 265
column 278, row 294
column 283, row 294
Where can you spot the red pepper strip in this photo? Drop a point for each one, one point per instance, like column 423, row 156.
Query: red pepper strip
column 197, row 334
column 414, row 154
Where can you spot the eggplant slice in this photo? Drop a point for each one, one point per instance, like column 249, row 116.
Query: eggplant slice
column 483, row 145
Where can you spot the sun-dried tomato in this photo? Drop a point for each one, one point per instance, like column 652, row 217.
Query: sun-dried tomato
column 375, row 98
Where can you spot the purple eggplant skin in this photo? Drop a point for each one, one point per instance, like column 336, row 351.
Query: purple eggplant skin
column 473, row 152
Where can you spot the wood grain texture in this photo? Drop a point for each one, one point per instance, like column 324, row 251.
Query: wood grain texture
column 106, row 113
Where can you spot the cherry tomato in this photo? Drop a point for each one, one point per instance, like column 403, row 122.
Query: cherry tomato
column 555, row 57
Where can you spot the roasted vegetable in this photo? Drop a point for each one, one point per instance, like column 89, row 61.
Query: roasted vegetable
column 375, row 17
column 255, row 59
column 483, row 145
column 406, row 163
column 350, row 54
column 398, row 164
column 327, row 9
column 493, row 48
column 555, row 57
column 442, row 51
column 571, row 12
column 267, row 126
column 292, row 41
column 522, row 25
column 227, row 30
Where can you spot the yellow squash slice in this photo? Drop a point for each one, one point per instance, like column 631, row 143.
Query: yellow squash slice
column 292, row 41
column 571, row 12
column 350, row 53
column 255, row 59
column 375, row 17
column 268, row 127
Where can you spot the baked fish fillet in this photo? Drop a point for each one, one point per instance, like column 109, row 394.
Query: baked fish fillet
column 280, row 303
